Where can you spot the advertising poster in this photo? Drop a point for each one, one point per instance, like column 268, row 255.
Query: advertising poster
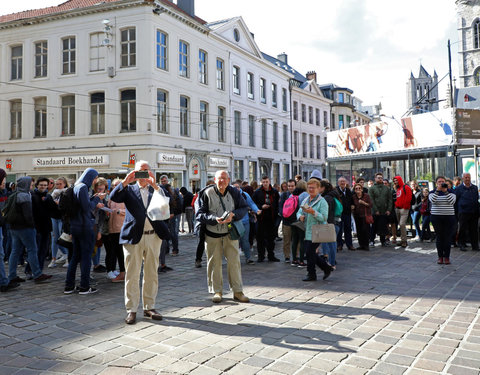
column 419, row 131
column 468, row 166
column 468, row 126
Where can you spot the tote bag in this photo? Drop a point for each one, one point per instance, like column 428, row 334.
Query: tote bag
column 323, row 233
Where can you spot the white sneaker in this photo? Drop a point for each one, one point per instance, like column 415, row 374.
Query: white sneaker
column 111, row 275
column 52, row 264
column 65, row 265
column 62, row 259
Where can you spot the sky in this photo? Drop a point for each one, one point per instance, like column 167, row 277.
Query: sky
column 369, row 46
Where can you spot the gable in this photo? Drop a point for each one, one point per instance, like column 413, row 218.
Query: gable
column 235, row 31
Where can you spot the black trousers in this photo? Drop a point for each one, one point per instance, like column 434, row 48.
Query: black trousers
column 201, row 244
column 444, row 226
column 468, row 223
column 114, row 252
column 314, row 259
column 266, row 239
column 363, row 231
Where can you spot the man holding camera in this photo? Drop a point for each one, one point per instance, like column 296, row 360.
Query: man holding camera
column 219, row 206
column 467, row 203
column 141, row 239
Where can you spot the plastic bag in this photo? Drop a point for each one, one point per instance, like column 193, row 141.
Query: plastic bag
column 159, row 208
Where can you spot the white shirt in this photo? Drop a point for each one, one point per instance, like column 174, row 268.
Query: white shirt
column 144, row 192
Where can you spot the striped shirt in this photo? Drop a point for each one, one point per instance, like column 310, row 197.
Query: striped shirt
column 442, row 204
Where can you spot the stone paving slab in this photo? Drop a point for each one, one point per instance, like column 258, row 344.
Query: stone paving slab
column 387, row 311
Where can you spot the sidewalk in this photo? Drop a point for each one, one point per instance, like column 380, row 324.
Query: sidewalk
column 387, row 311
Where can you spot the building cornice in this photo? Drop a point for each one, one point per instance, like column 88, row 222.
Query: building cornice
column 100, row 8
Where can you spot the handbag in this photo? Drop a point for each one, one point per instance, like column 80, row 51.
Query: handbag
column 65, row 240
column 323, row 233
column 368, row 217
column 299, row 225
column 159, row 208
column 236, row 228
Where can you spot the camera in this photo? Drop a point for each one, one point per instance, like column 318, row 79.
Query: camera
column 141, row 174
column 225, row 215
column 444, row 186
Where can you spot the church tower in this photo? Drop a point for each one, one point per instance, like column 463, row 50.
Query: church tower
column 422, row 92
column 468, row 12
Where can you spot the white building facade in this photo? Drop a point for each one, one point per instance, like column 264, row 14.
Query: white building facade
column 259, row 107
column 103, row 85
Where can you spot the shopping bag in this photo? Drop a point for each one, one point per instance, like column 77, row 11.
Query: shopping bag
column 159, row 208
column 323, row 233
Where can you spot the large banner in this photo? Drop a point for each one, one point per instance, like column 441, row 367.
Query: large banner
column 468, row 126
column 426, row 130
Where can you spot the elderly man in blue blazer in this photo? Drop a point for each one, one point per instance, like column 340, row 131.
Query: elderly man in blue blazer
column 141, row 239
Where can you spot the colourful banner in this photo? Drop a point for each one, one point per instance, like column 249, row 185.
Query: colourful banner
column 419, row 131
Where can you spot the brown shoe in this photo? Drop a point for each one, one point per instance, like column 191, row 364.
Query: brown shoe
column 153, row 314
column 239, row 296
column 217, row 297
column 42, row 278
column 131, row 318
column 446, row 260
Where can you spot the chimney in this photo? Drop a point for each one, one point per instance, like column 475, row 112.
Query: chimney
column 188, row 6
column 312, row 75
column 283, row 58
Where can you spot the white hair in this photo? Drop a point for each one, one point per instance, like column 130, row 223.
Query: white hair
column 140, row 163
column 218, row 173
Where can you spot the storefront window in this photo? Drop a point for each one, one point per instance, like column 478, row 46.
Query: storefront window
column 276, row 173
column 252, row 171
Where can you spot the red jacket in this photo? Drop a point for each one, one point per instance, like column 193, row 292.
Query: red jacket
column 403, row 200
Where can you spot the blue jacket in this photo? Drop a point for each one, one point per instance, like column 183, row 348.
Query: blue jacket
column 23, row 204
column 84, row 218
column 467, row 199
column 135, row 214
column 251, row 204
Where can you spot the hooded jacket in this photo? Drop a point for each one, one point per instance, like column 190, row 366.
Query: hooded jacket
column 3, row 193
column 23, row 204
column 403, row 200
column 84, row 218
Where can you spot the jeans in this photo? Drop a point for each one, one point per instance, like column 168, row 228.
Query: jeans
column 189, row 217
column 23, row 238
column 426, row 232
column 345, row 228
column 42, row 250
column 415, row 215
column 173, row 228
column 3, row 275
column 443, row 225
column 96, row 257
column 83, row 242
column 57, row 232
column 330, row 248
column 244, row 242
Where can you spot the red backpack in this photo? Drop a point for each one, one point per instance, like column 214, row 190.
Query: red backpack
column 290, row 207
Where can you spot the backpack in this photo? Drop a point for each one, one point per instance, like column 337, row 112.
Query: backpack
column 338, row 208
column 67, row 203
column 10, row 214
column 413, row 200
column 290, row 207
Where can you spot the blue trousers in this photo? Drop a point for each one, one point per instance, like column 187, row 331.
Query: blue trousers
column 83, row 241
column 23, row 238
column 346, row 229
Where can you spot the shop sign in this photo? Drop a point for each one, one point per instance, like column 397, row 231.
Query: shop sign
column 419, row 131
column 218, row 162
column 69, row 161
column 468, row 126
column 194, row 168
column 163, row 158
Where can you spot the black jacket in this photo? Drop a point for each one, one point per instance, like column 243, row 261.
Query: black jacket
column 43, row 206
column 346, row 199
column 260, row 198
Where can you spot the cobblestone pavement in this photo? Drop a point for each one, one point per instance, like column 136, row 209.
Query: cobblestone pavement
column 387, row 311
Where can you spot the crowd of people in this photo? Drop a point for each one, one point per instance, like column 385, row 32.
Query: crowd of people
column 46, row 220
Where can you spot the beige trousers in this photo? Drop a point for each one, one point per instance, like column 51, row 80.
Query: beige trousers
column 215, row 249
column 287, row 240
column 147, row 252
column 402, row 216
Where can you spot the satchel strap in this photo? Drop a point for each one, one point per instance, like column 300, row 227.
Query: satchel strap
column 221, row 200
